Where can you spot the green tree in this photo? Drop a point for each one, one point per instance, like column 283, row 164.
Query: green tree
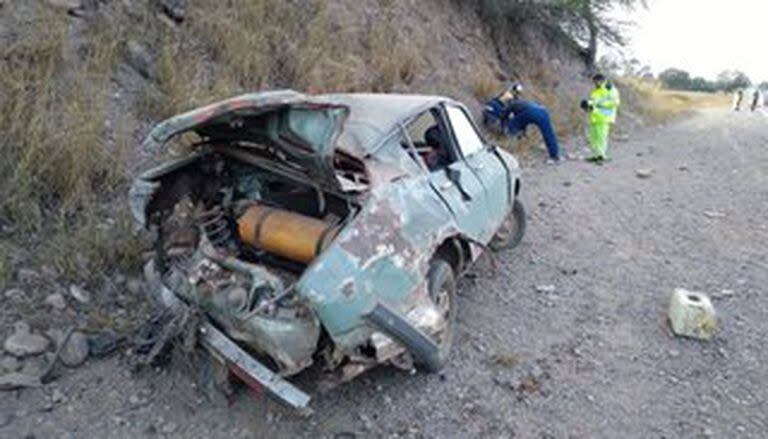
column 675, row 79
column 730, row 80
column 589, row 21
column 701, row 84
column 585, row 22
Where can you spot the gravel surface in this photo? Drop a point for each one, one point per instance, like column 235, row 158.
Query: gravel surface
column 589, row 356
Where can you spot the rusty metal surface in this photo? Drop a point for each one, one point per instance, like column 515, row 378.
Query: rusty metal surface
column 382, row 255
column 286, row 392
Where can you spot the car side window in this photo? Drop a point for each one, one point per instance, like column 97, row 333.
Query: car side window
column 432, row 146
column 464, row 131
column 393, row 152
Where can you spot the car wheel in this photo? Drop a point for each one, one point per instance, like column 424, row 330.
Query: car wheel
column 441, row 283
column 512, row 229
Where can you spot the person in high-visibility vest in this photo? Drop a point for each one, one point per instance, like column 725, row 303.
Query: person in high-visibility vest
column 602, row 106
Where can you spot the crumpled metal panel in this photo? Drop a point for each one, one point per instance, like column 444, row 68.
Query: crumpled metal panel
column 288, row 335
column 382, row 256
column 165, row 130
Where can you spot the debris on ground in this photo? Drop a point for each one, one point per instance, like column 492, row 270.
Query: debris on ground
column 80, row 294
column 546, row 289
column 713, row 214
column 691, row 314
column 58, row 397
column 66, row 4
column 523, row 378
column 176, row 10
column 56, row 301
column 644, row 173
column 24, row 342
column 724, row 294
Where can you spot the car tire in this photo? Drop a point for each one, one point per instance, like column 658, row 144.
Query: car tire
column 512, row 229
column 441, row 284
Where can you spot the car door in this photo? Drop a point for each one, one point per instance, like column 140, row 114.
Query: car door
column 455, row 184
column 487, row 166
column 458, row 186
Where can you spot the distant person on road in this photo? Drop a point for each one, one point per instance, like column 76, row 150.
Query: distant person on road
column 756, row 99
column 737, row 98
column 602, row 107
column 511, row 115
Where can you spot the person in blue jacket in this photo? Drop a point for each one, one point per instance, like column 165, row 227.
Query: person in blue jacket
column 511, row 115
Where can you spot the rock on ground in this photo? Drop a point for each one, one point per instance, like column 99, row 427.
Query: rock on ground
column 139, row 58
column 644, row 173
column 56, row 301
column 15, row 294
column 75, row 351
column 80, row 294
column 23, row 342
column 65, row 4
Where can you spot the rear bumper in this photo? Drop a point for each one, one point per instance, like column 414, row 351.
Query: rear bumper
column 251, row 370
column 237, row 360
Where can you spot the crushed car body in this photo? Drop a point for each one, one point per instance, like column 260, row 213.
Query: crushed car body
column 324, row 229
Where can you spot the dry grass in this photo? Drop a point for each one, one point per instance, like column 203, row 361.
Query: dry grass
column 55, row 164
column 657, row 104
column 6, row 266
column 392, row 60
column 85, row 250
column 226, row 48
column 485, row 85
column 232, row 47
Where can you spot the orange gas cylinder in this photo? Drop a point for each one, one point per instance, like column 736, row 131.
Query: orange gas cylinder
column 284, row 233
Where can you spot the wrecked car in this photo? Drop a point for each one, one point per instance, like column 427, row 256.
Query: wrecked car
column 324, row 229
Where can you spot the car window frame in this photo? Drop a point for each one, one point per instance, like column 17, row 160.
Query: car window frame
column 454, row 138
column 442, row 120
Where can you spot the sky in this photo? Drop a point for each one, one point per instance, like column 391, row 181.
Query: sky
column 703, row 37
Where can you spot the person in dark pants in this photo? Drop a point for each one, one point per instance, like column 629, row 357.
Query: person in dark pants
column 515, row 114
column 524, row 113
column 756, row 95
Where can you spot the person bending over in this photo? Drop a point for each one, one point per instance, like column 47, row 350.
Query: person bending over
column 513, row 115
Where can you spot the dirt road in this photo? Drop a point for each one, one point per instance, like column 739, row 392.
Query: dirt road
column 587, row 354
